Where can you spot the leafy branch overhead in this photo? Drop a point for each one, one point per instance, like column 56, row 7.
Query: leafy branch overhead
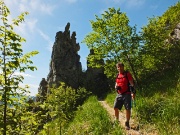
column 112, row 39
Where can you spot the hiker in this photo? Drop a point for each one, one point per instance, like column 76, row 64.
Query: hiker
column 124, row 95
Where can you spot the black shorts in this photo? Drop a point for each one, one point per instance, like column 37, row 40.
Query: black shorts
column 121, row 100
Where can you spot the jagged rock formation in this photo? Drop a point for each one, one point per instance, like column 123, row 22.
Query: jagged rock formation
column 94, row 71
column 174, row 36
column 96, row 81
column 42, row 90
column 65, row 65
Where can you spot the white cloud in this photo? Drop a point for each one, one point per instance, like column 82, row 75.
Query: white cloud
column 32, row 6
column 27, row 27
column 33, row 89
column 22, row 7
column 83, row 62
column 47, row 38
column 45, row 8
column 22, row 74
column 35, row 8
column 31, row 23
column 50, row 45
column 21, row 30
column 44, row 36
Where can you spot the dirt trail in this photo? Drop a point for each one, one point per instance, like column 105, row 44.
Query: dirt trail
column 134, row 126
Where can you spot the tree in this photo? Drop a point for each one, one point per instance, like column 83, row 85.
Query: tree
column 112, row 40
column 160, row 45
column 12, row 60
column 62, row 103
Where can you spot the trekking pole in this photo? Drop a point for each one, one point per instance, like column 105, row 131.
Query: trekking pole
column 133, row 103
column 136, row 115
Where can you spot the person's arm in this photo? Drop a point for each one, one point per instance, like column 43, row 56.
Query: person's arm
column 133, row 91
column 130, row 78
column 132, row 83
column 115, row 85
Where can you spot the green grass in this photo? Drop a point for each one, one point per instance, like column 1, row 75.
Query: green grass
column 157, row 110
column 90, row 119
column 159, row 113
column 110, row 98
column 158, row 104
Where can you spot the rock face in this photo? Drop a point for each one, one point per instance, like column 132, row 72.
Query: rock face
column 175, row 34
column 96, row 81
column 65, row 65
column 42, row 90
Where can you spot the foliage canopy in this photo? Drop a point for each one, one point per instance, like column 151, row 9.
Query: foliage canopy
column 112, row 40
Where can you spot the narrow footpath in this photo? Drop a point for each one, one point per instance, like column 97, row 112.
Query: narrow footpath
column 134, row 126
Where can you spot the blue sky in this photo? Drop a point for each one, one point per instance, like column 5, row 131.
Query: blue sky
column 47, row 17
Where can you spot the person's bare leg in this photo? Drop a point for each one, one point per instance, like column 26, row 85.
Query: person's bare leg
column 116, row 111
column 128, row 115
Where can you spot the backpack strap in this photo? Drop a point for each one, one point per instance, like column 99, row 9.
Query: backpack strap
column 128, row 84
column 130, row 88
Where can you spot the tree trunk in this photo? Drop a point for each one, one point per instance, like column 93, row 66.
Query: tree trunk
column 131, row 65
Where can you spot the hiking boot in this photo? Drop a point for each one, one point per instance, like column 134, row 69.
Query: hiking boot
column 127, row 125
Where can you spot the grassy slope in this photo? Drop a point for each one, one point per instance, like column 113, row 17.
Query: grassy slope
column 157, row 107
column 90, row 118
column 158, row 104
